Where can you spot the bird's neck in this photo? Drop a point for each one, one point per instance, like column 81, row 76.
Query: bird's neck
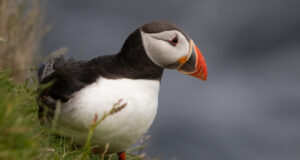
column 131, row 62
column 133, row 57
column 138, row 68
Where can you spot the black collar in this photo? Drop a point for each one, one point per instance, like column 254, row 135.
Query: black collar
column 131, row 62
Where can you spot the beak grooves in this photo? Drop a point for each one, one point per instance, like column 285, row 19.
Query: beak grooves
column 194, row 64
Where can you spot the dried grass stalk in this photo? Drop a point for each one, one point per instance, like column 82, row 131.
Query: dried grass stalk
column 21, row 28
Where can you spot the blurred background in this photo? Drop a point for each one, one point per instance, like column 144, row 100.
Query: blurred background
column 249, row 108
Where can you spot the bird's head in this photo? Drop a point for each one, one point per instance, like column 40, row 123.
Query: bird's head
column 168, row 47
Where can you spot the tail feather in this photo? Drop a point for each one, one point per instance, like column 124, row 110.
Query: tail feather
column 46, row 70
column 46, row 73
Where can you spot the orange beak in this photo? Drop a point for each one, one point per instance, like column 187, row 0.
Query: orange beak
column 194, row 64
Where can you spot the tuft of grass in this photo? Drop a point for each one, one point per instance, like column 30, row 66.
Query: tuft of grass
column 19, row 131
column 23, row 137
column 20, row 34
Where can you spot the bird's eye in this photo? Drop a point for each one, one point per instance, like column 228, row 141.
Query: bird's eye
column 174, row 40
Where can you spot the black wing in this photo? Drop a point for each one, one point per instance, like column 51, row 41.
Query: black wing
column 58, row 80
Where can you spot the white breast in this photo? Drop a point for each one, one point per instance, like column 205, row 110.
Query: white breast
column 120, row 130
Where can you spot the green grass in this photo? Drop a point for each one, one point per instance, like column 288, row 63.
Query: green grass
column 23, row 137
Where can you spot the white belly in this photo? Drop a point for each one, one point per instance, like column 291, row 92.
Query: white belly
column 120, row 130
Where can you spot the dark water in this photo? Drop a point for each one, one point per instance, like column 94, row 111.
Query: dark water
column 249, row 108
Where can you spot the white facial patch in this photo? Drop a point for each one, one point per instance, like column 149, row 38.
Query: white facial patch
column 161, row 51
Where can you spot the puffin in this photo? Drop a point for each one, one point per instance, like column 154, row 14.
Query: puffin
column 125, row 84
